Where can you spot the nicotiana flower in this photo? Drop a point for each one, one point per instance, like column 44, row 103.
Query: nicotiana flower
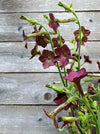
column 35, row 51
column 42, row 40
column 61, row 98
column 84, row 35
column 47, row 58
column 56, row 41
column 86, row 59
column 62, row 55
column 75, row 77
column 53, row 23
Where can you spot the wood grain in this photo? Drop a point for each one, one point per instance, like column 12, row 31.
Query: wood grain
column 11, row 26
column 47, row 5
column 26, row 120
column 15, row 58
column 28, row 88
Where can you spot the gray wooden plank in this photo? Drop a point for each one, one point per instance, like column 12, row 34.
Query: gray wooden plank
column 28, row 88
column 26, row 120
column 47, row 5
column 11, row 26
column 15, row 58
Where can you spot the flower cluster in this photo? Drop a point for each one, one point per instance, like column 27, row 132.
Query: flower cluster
column 84, row 110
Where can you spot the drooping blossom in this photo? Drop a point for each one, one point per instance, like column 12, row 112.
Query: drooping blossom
column 35, row 51
column 61, row 98
column 84, row 35
column 62, row 55
column 53, row 23
column 98, row 64
column 42, row 40
column 56, row 41
column 75, row 77
column 47, row 58
column 86, row 59
column 25, row 39
column 52, row 116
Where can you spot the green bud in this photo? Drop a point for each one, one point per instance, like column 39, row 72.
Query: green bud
column 57, row 89
column 70, row 5
column 70, row 119
column 34, row 22
column 46, row 17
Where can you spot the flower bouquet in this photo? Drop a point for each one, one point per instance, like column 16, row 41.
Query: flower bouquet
column 83, row 105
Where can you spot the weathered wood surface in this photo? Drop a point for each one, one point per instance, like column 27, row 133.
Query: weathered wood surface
column 15, row 58
column 28, row 88
column 26, row 120
column 47, row 5
column 11, row 26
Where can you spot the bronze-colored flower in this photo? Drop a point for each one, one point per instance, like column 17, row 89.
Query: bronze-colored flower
column 84, row 35
column 56, row 41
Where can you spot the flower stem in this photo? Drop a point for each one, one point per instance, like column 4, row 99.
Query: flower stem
column 93, row 74
column 61, row 45
column 76, row 121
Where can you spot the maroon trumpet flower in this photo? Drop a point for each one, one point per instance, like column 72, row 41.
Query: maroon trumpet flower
column 53, row 23
column 62, row 55
column 61, row 98
column 47, row 58
column 56, row 41
column 35, row 51
column 75, row 77
column 42, row 40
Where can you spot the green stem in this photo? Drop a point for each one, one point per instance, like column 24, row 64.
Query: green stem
column 61, row 45
column 80, row 39
column 76, row 121
column 52, row 46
